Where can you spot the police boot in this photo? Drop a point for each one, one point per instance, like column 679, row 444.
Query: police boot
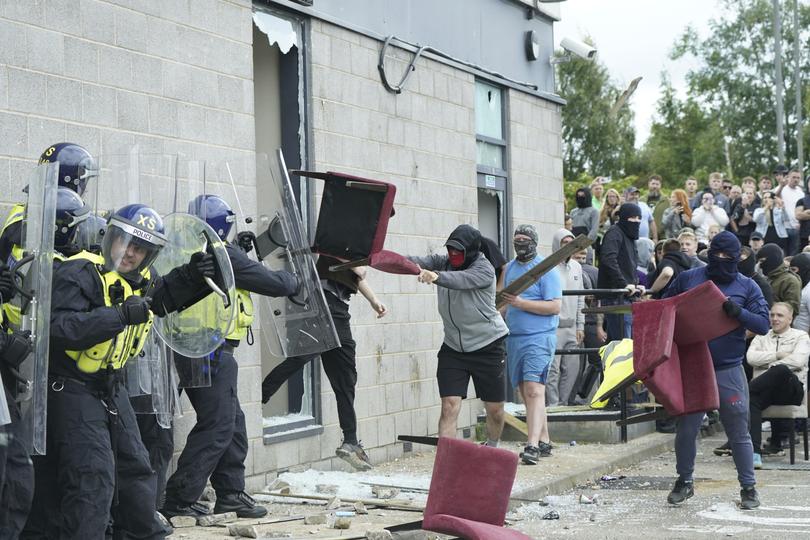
column 243, row 504
column 173, row 508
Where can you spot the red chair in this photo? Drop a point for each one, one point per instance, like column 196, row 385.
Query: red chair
column 353, row 222
column 670, row 348
column 469, row 491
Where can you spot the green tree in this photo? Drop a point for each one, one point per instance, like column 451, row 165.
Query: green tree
column 684, row 140
column 595, row 142
column 734, row 85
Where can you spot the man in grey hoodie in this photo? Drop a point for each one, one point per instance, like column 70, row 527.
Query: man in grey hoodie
column 564, row 369
column 474, row 332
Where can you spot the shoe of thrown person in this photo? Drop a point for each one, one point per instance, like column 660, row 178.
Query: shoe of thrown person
column 240, row 502
column 354, row 455
column 681, row 491
column 757, row 461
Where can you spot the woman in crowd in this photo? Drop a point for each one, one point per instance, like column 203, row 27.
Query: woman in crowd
column 772, row 220
column 678, row 215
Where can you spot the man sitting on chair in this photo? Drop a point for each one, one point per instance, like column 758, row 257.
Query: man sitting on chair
column 779, row 359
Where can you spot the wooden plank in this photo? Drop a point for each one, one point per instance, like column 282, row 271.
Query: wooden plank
column 530, row 278
column 516, row 423
column 383, row 503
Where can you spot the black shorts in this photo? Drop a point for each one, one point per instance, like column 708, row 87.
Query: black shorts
column 485, row 366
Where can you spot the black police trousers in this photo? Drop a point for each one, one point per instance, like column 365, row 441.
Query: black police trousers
column 16, row 476
column 339, row 365
column 217, row 445
column 76, row 480
column 159, row 443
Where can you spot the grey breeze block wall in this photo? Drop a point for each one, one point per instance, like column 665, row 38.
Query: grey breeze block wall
column 172, row 77
column 176, row 77
column 423, row 141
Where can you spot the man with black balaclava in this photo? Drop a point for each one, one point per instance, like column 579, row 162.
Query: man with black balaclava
column 745, row 304
column 585, row 218
column 748, row 267
column 800, row 265
column 618, row 259
column 786, row 286
column 474, row 332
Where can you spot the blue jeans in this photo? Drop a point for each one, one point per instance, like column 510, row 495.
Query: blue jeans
column 733, row 390
column 792, row 242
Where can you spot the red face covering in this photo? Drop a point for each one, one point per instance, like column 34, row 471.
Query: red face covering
column 456, row 257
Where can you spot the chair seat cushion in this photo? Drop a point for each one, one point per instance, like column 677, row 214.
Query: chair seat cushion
column 470, row 530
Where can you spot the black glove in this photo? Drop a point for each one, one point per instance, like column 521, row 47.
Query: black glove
column 732, row 309
column 245, row 241
column 15, row 347
column 201, row 265
column 7, row 288
column 134, row 310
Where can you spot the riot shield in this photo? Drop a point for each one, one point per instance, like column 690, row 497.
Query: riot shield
column 152, row 367
column 34, row 302
column 5, row 416
column 200, row 329
column 291, row 326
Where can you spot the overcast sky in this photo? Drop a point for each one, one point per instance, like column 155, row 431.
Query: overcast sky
column 634, row 39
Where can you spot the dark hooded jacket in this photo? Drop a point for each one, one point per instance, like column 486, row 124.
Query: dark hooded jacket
column 748, row 269
column 466, row 295
column 618, row 258
column 677, row 261
column 786, row 286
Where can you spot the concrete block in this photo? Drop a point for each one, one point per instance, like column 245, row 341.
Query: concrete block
column 43, row 133
column 264, row 456
column 45, row 50
column 190, row 121
column 27, row 92
column 80, row 59
column 148, row 74
column 387, row 430
column 3, row 87
column 99, row 105
column 64, row 98
column 163, row 116
column 132, row 30
column 14, row 135
column 98, row 21
column 12, row 35
column 133, row 111
column 115, row 67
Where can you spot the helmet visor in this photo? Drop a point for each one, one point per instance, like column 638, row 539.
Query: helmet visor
column 127, row 250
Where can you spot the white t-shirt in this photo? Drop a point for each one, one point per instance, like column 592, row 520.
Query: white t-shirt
column 791, row 196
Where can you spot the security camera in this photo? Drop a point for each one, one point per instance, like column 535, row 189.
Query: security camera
column 583, row 50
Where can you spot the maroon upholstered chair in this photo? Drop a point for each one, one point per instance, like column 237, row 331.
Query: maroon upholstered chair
column 671, row 351
column 469, row 491
column 353, row 222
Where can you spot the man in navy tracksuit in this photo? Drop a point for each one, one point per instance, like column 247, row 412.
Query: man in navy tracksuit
column 746, row 304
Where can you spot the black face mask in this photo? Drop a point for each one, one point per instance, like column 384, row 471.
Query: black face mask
column 525, row 250
column 630, row 228
column 721, row 270
column 747, row 267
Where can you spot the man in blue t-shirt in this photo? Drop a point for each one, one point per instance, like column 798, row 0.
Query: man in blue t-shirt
column 746, row 304
column 532, row 318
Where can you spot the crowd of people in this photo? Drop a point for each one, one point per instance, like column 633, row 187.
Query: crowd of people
column 750, row 239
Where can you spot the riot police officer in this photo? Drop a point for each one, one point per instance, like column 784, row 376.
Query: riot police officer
column 217, row 446
column 16, row 470
column 76, row 168
column 96, row 468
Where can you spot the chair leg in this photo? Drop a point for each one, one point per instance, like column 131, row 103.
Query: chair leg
column 792, row 441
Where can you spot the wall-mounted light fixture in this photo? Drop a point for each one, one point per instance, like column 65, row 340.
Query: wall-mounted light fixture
column 532, row 42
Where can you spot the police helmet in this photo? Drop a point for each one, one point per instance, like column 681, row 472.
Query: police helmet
column 214, row 211
column 90, row 233
column 134, row 238
column 76, row 165
column 70, row 213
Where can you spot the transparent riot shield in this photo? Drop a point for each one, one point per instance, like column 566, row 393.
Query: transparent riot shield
column 36, row 270
column 138, row 376
column 192, row 372
column 152, row 365
column 200, row 329
column 300, row 324
column 5, row 416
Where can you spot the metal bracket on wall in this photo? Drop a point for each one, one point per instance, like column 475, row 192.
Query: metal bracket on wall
column 420, row 49
column 397, row 89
